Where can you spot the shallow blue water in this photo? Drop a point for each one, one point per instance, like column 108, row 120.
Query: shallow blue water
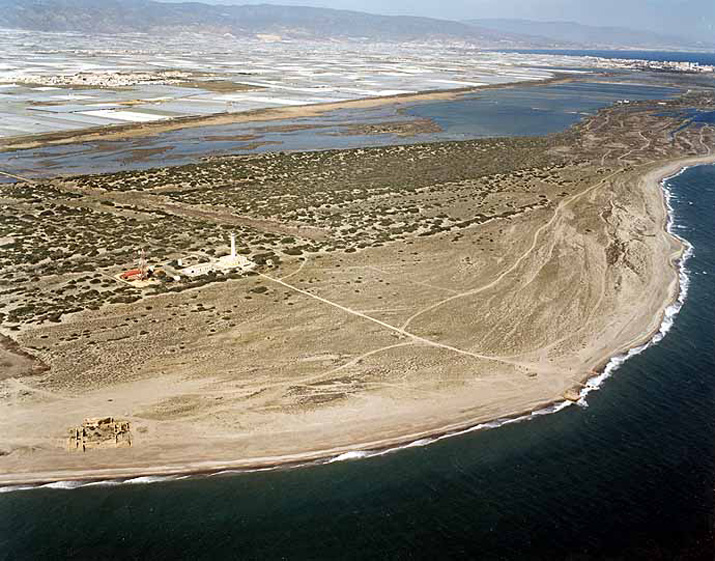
column 524, row 111
column 513, row 111
column 629, row 477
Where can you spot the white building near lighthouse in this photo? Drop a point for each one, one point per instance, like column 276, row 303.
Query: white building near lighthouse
column 225, row 264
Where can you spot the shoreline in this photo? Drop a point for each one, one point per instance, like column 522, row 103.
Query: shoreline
column 677, row 262
column 656, row 177
column 139, row 130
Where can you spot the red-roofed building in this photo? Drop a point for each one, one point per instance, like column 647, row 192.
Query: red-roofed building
column 132, row 275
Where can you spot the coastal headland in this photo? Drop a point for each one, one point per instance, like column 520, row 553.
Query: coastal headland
column 401, row 292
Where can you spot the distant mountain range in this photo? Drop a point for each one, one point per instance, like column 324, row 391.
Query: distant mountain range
column 290, row 22
column 293, row 22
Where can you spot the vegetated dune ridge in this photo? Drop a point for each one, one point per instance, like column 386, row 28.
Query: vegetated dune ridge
column 396, row 343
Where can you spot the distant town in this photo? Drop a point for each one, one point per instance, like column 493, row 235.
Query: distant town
column 655, row 65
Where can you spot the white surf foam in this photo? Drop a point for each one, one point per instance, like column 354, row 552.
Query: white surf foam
column 63, row 485
column 670, row 312
column 13, row 488
column 350, row 456
column 149, row 479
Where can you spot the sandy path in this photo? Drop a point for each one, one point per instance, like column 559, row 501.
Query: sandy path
column 397, row 330
column 534, row 244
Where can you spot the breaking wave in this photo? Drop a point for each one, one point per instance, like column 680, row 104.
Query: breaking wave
column 670, row 312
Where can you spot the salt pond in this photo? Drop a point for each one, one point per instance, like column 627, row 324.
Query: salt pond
column 510, row 111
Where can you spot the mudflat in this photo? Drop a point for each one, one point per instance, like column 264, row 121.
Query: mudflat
column 400, row 292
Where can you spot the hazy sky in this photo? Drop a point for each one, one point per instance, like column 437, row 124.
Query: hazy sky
column 675, row 16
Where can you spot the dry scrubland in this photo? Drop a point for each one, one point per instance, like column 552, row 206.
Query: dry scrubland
column 402, row 291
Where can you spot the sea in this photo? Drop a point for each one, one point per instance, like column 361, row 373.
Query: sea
column 629, row 473
column 704, row 58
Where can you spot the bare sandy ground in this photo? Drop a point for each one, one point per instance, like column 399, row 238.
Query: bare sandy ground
column 379, row 348
column 16, row 363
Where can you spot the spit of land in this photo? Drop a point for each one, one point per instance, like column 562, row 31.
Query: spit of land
column 397, row 292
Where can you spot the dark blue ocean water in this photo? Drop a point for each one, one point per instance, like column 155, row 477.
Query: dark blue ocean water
column 629, row 477
column 675, row 56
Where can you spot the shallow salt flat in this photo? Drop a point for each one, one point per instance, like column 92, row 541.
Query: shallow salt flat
column 261, row 97
column 321, row 88
column 241, row 106
column 289, row 74
column 11, row 120
column 194, row 101
column 132, row 116
column 22, row 127
column 376, row 93
column 79, row 120
column 73, row 108
column 74, row 97
column 6, row 130
column 457, row 83
column 276, row 101
column 194, row 107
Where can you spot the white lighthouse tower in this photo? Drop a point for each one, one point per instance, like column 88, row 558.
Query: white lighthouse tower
column 234, row 260
column 226, row 263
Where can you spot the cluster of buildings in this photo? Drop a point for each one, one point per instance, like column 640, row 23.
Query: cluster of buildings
column 656, row 65
column 227, row 263
column 670, row 66
column 106, row 432
column 143, row 274
column 103, row 79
